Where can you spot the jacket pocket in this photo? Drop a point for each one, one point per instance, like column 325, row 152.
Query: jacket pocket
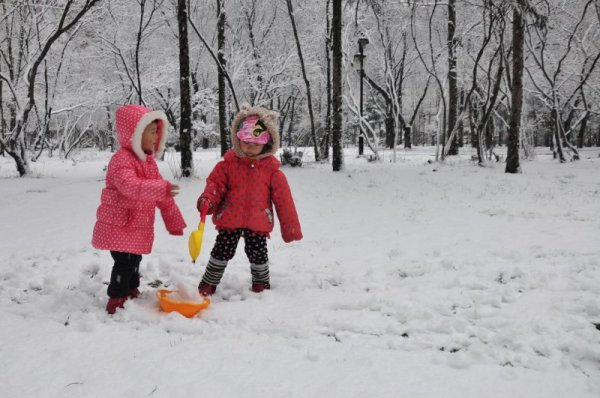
column 117, row 216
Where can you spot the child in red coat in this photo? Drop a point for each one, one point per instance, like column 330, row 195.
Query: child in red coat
column 134, row 188
column 240, row 193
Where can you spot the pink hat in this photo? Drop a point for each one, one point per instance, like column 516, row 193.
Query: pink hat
column 253, row 130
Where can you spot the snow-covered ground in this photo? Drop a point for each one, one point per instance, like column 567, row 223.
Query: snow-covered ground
column 413, row 279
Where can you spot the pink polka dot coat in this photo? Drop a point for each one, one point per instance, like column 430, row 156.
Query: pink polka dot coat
column 242, row 191
column 134, row 188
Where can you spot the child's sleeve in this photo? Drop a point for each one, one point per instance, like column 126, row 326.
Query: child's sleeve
column 285, row 207
column 171, row 216
column 216, row 186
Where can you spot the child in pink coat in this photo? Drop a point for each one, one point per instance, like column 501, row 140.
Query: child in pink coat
column 134, row 188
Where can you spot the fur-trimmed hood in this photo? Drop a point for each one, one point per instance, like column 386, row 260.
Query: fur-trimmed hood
column 131, row 120
column 271, row 122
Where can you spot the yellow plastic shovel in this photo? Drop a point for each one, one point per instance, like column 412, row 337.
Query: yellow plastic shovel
column 195, row 241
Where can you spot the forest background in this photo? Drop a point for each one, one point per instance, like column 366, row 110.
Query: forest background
column 444, row 73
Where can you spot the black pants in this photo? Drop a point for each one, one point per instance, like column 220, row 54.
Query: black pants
column 227, row 241
column 224, row 250
column 125, row 274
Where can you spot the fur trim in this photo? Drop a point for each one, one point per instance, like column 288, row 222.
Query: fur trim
column 163, row 131
column 268, row 117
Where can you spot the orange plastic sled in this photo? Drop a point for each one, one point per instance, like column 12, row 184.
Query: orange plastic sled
column 185, row 308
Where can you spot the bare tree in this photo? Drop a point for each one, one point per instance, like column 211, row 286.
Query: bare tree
column 185, row 126
column 306, row 81
column 430, row 66
column 336, row 82
column 221, row 20
column 518, row 37
column 327, row 136
column 557, row 86
column 394, row 74
column 215, row 56
column 142, row 26
column 484, row 102
column 493, row 15
column 490, row 16
column 126, row 42
column 452, row 76
column 259, row 25
column 15, row 144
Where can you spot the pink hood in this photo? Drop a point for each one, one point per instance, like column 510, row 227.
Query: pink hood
column 131, row 120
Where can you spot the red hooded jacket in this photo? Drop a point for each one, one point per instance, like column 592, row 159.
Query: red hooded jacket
column 134, row 188
column 243, row 191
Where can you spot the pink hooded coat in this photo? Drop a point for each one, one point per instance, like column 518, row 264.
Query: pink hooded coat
column 134, row 188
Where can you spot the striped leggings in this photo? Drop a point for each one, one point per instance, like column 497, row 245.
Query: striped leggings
column 225, row 246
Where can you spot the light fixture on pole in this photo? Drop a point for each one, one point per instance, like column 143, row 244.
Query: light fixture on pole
column 359, row 67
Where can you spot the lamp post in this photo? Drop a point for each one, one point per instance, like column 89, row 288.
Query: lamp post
column 359, row 66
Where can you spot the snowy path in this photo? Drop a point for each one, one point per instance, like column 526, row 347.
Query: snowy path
column 413, row 280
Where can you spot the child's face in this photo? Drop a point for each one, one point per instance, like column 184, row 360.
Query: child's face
column 251, row 149
column 150, row 137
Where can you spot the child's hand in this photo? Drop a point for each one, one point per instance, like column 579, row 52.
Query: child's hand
column 203, row 202
column 173, row 190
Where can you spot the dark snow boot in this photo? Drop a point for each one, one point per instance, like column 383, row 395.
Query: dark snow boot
column 206, row 289
column 259, row 287
column 114, row 303
column 260, row 277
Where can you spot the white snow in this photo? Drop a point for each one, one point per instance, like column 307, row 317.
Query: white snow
column 413, row 279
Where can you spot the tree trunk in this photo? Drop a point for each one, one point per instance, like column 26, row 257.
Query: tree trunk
column 489, row 136
column 336, row 130
column 567, row 143
column 216, row 58
column 2, row 123
column 291, row 125
column 486, row 121
column 452, row 79
column 582, row 128
column 185, row 125
column 512, row 156
column 475, row 132
column 389, row 125
column 255, row 95
column 325, row 146
column 138, row 45
column 558, row 145
column 461, row 125
column 221, row 79
column 306, row 81
column 111, row 134
column 407, row 136
column 21, row 164
column 473, row 116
